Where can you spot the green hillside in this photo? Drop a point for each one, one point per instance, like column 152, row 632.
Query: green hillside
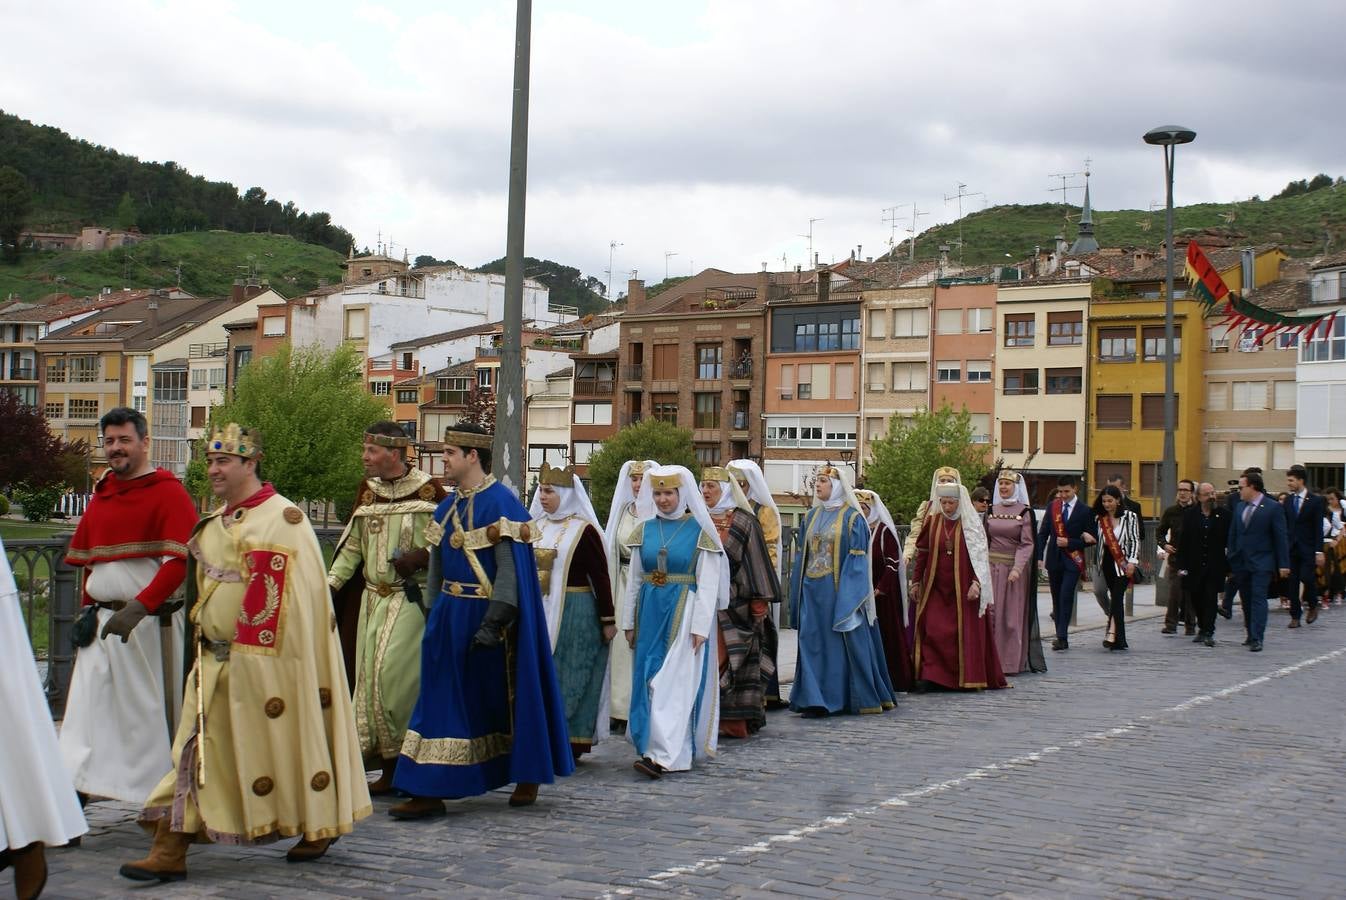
column 209, row 260
column 1304, row 225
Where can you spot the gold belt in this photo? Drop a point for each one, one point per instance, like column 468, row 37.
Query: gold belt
column 579, row 590
column 1006, row 558
column 384, row 590
column 463, row 589
column 661, row 578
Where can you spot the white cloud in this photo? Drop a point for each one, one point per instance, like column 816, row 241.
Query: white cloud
column 715, row 130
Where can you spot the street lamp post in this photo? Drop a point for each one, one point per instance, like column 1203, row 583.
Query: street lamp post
column 508, row 449
column 1169, row 137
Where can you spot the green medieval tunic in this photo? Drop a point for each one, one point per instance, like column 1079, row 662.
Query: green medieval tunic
column 389, row 521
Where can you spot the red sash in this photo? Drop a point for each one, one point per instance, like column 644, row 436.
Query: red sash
column 1059, row 525
column 1114, row 547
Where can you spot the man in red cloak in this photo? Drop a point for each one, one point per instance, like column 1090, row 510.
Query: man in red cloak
column 127, row 685
column 955, row 647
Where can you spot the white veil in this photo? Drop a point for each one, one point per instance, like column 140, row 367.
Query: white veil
column 621, row 495
column 842, row 494
column 731, row 495
column 878, row 510
column 975, row 536
column 759, row 492
column 1020, row 494
column 574, row 502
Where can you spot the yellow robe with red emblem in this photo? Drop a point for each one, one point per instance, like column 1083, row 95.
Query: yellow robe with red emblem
column 280, row 757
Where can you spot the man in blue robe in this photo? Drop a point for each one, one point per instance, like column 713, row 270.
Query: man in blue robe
column 842, row 667
column 490, row 712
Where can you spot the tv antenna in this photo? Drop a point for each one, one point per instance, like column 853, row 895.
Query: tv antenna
column 890, row 218
column 810, row 237
column 612, row 248
column 962, row 192
column 911, row 246
column 668, row 254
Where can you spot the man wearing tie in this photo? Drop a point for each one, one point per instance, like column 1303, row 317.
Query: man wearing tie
column 1066, row 529
column 1304, row 513
column 1257, row 547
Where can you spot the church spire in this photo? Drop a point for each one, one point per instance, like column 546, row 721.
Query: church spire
column 1085, row 243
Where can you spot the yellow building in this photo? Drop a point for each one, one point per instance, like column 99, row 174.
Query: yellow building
column 1126, row 380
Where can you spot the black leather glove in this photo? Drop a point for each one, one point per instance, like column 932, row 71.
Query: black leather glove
column 411, row 562
column 125, row 620
column 499, row 616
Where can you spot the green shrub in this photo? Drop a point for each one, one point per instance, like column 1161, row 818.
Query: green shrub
column 4, row 505
column 38, row 503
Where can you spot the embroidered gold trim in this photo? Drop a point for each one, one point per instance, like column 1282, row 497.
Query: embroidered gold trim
column 142, row 548
column 455, row 751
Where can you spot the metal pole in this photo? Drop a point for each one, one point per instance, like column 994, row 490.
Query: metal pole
column 1168, row 470
column 508, row 454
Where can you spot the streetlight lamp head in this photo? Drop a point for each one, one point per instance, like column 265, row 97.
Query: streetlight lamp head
column 1168, row 135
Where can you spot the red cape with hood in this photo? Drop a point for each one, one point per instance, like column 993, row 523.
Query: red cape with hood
column 150, row 516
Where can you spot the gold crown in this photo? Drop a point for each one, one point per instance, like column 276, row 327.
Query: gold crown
column 468, row 439
column 387, row 440
column 637, row 467
column 666, row 482
column 236, row 440
column 864, row 496
column 715, row 473
column 948, row 472
column 555, row 477
column 1008, row 475
column 830, row 472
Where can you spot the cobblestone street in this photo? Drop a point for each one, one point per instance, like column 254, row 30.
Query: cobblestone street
column 1172, row 770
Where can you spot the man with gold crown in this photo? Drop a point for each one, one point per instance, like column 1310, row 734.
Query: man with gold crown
column 267, row 746
column 679, row 578
column 577, row 600
column 622, row 523
column 841, row 666
column 490, row 711
column 955, row 647
column 747, row 636
column 379, row 605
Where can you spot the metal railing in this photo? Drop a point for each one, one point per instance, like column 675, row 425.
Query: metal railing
column 633, row 372
column 594, row 387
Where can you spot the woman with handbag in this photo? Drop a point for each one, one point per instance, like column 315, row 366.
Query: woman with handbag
column 1119, row 555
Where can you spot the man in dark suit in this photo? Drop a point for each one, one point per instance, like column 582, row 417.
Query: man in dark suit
column 1060, row 543
column 1232, row 500
column 1257, row 549
column 1304, row 512
column 1200, row 560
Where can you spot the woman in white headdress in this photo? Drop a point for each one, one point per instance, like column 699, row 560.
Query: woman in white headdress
column 753, row 484
column 841, row 667
column 577, row 600
column 885, row 564
column 679, row 578
column 622, row 522
column 955, row 647
column 1010, row 533
column 38, row 806
column 746, row 635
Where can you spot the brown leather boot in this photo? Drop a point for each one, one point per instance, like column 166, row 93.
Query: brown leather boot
column 30, row 871
column 167, row 860
column 525, row 794
column 308, row 851
column 383, row 785
column 417, row 808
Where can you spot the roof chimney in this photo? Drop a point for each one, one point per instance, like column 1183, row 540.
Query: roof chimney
column 153, row 309
column 635, row 295
column 824, row 282
column 1061, row 246
column 943, row 256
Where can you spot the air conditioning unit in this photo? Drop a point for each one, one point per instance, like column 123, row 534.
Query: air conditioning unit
column 787, row 395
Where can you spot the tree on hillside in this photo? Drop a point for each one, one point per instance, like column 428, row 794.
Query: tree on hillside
column 651, row 439
column 906, row 458
column 125, row 216
column 1305, row 186
column 311, row 407
column 30, row 447
column 427, row 260
column 16, row 202
column 566, row 285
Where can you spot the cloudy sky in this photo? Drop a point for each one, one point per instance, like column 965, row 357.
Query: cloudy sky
column 714, row 130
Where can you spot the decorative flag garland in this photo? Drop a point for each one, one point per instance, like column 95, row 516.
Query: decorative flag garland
column 1238, row 313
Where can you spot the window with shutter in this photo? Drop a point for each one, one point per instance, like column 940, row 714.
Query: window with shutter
column 1105, row 469
column 1019, row 330
column 1012, row 437
column 665, row 362
column 1065, row 328
column 1058, row 437
column 1112, row 411
column 1152, row 410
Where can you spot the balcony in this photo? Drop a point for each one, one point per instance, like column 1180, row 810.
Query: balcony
column 741, row 370
column 204, row 351
column 593, row 387
column 22, row 373
column 634, row 372
column 488, row 353
column 631, row 419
